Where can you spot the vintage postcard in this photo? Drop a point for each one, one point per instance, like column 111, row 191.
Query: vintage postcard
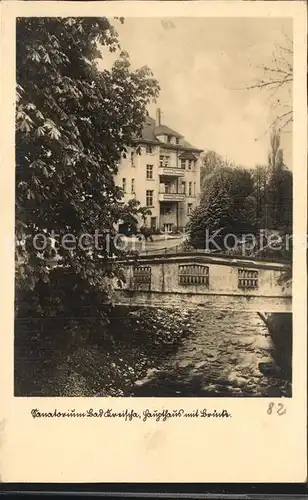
column 154, row 211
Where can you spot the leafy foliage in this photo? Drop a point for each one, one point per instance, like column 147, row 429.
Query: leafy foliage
column 241, row 201
column 210, row 161
column 279, row 186
column 223, row 206
column 273, row 184
column 73, row 124
column 107, row 364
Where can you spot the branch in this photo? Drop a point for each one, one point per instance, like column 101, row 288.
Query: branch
column 288, row 38
column 263, row 83
column 280, row 67
column 279, row 118
column 289, row 119
column 279, row 105
column 276, row 70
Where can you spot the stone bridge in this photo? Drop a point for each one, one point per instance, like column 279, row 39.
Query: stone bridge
column 197, row 280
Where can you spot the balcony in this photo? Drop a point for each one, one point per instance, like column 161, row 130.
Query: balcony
column 164, row 196
column 171, row 171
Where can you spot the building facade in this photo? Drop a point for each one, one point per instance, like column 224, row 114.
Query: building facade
column 162, row 171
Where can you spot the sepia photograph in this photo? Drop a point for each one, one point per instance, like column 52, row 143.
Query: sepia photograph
column 154, row 274
column 153, row 218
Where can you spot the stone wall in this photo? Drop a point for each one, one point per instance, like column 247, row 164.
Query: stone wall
column 218, row 288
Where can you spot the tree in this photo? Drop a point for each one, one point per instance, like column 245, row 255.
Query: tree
column 279, row 186
column 210, row 162
column 260, row 175
column 278, row 80
column 73, row 124
column 273, row 189
column 224, row 207
column 247, row 218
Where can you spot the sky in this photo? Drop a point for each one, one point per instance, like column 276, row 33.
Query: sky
column 203, row 67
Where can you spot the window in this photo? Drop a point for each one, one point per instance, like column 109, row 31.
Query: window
column 183, row 164
column 132, row 158
column 149, row 171
column 194, row 189
column 177, row 141
column 190, row 162
column 168, row 228
column 169, row 138
column 169, row 188
column 124, row 184
column 149, row 198
column 189, row 208
column 189, row 188
column 248, row 278
column 149, row 149
column 133, row 186
column 142, row 277
column 184, row 187
column 193, row 275
column 164, row 161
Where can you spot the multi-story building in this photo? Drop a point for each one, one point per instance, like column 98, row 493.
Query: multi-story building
column 162, row 171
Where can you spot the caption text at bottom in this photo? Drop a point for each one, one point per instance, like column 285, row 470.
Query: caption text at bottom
column 130, row 414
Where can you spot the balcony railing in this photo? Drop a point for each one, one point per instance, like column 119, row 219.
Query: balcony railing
column 171, row 171
column 168, row 196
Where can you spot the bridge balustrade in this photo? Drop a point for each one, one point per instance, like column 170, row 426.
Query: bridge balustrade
column 193, row 275
column 206, row 281
column 248, row 278
column 142, row 277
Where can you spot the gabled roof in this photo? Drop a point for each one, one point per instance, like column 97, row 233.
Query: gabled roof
column 150, row 134
column 187, row 156
column 164, row 130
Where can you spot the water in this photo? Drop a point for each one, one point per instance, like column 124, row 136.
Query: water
column 221, row 358
column 221, row 353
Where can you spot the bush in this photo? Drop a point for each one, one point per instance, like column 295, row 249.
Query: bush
column 105, row 361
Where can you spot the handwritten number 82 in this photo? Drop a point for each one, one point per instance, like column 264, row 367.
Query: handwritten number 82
column 279, row 409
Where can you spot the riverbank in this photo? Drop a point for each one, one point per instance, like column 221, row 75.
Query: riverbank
column 105, row 363
column 148, row 353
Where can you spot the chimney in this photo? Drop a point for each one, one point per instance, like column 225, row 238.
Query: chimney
column 158, row 117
